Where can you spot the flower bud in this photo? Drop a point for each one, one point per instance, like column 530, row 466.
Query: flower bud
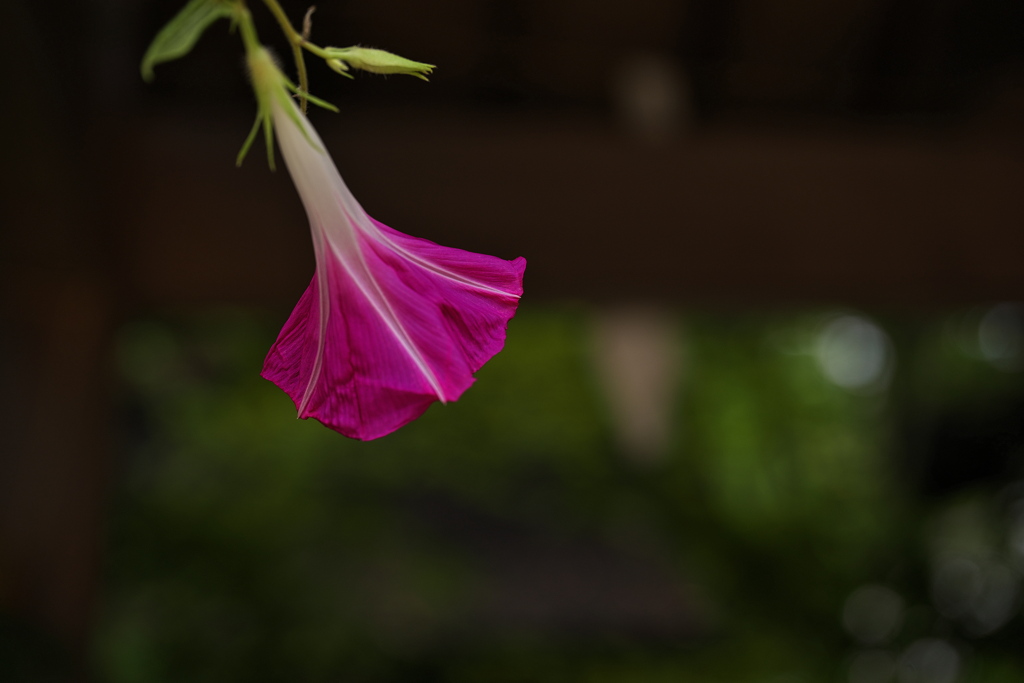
column 375, row 61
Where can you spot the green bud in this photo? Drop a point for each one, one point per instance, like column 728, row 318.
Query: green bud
column 375, row 61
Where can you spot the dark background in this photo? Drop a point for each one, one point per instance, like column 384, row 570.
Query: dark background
column 747, row 163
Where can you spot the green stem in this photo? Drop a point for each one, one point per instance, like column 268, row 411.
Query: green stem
column 248, row 29
column 315, row 49
column 300, row 68
column 294, row 37
column 297, row 43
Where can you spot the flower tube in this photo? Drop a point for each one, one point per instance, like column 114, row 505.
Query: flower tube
column 390, row 323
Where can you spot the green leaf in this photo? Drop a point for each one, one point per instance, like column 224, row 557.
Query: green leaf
column 180, row 34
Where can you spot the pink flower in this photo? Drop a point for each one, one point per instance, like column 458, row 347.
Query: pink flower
column 390, row 323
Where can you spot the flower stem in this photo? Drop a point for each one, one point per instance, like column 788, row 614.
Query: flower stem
column 248, row 29
column 297, row 42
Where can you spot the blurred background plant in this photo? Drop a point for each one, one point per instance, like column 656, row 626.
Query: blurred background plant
column 786, row 528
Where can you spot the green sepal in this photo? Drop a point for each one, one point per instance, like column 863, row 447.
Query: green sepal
column 180, row 34
column 262, row 118
column 270, row 84
column 341, row 67
column 324, row 104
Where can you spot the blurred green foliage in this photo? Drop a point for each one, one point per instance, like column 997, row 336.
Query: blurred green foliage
column 247, row 545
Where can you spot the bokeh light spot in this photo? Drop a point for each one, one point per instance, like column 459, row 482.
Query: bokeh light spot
column 855, row 354
column 873, row 614
column 872, row 666
column 1001, row 336
column 929, row 660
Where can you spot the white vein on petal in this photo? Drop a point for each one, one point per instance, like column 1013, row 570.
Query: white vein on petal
column 361, row 220
column 298, row 154
column 434, row 267
column 324, row 309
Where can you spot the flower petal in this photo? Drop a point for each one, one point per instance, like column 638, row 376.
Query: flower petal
column 452, row 308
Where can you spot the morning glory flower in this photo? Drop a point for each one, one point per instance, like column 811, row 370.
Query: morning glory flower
column 390, row 323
